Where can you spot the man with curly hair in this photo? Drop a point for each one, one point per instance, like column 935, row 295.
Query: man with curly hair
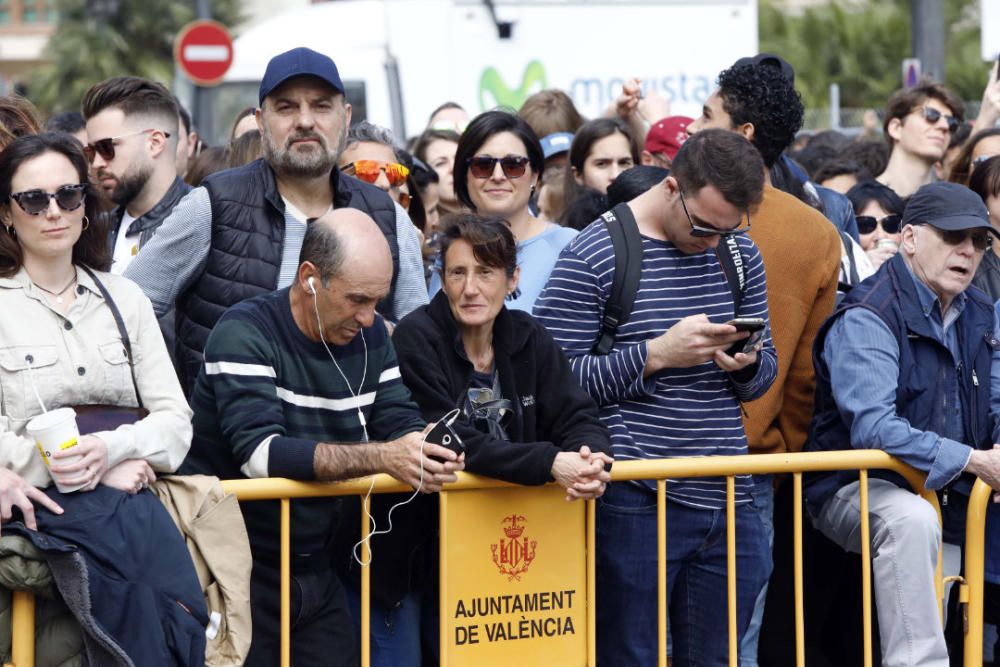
column 801, row 251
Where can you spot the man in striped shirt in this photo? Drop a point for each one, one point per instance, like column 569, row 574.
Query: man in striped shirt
column 303, row 383
column 667, row 389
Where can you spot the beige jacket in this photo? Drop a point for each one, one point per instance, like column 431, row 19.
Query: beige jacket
column 213, row 528
column 79, row 359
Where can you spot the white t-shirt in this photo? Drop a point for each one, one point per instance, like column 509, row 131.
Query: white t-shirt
column 126, row 246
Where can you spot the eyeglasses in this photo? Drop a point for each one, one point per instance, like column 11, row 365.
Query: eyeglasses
column 701, row 231
column 106, row 147
column 981, row 240
column 932, row 116
column 890, row 223
column 369, row 171
column 482, row 166
column 68, row 198
column 981, row 159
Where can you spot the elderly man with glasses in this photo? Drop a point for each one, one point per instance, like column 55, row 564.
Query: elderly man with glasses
column 671, row 385
column 906, row 365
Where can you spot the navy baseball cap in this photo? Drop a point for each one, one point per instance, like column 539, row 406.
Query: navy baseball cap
column 299, row 62
column 556, row 143
column 947, row 206
column 771, row 60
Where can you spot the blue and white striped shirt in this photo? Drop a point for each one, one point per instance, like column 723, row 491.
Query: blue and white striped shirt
column 675, row 411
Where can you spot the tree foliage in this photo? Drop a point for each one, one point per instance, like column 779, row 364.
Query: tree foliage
column 861, row 47
column 98, row 39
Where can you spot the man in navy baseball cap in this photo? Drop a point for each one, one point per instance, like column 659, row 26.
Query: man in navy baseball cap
column 905, row 365
column 299, row 62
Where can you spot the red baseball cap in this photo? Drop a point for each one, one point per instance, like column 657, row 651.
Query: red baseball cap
column 667, row 135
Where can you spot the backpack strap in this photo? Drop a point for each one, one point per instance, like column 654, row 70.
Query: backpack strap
column 731, row 259
column 627, row 244
column 852, row 271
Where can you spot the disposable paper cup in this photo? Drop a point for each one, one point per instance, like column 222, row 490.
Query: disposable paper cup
column 55, row 431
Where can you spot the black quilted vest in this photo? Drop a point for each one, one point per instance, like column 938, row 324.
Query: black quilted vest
column 248, row 231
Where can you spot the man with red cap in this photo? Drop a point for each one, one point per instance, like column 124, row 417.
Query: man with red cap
column 663, row 141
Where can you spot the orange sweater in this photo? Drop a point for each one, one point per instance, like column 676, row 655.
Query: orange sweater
column 801, row 251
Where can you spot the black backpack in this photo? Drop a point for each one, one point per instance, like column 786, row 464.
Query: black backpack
column 627, row 244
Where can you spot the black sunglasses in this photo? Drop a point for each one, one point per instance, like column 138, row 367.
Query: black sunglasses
column 932, row 116
column 106, row 147
column 981, row 240
column 68, row 198
column 482, row 166
column 701, row 231
column 891, row 223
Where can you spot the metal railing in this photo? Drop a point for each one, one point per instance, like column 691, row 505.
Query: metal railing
column 971, row 588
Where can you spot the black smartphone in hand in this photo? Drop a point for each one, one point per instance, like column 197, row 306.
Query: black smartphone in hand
column 755, row 326
column 442, row 434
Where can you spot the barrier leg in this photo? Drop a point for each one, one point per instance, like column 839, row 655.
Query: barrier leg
column 366, row 607
column 444, row 623
column 866, row 571
column 975, row 544
column 661, row 569
column 592, row 583
column 286, row 583
column 800, row 624
column 23, row 629
column 731, row 567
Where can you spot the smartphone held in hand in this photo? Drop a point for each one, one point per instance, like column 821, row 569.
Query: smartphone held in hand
column 755, row 326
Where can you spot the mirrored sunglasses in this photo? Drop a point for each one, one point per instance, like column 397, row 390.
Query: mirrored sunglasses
column 68, row 198
column 369, row 170
column 891, row 224
column 932, row 116
column 106, row 147
column 482, row 166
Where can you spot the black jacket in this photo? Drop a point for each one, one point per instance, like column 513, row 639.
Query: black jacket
column 248, row 237
column 987, row 276
column 147, row 223
column 552, row 412
column 123, row 569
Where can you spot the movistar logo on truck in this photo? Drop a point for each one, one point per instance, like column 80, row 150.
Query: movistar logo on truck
column 494, row 91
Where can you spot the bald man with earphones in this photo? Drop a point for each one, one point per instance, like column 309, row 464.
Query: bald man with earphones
column 303, row 383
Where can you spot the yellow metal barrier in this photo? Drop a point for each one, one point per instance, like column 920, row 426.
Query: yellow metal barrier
column 660, row 469
column 973, row 588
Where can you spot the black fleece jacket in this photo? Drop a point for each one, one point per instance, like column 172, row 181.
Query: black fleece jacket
column 552, row 413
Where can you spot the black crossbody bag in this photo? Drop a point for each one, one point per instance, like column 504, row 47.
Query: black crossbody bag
column 93, row 418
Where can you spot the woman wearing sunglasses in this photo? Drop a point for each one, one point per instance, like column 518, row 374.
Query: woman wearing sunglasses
column 879, row 212
column 985, row 182
column 498, row 165
column 61, row 345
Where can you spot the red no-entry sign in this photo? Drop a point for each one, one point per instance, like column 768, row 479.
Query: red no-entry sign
column 204, row 51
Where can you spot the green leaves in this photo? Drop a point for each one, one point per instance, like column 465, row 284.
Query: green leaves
column 861, row 46
column 98, row 39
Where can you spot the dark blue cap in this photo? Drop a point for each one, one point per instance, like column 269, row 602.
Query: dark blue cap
column 299, row 62
column 770, row 60
column 947, row 206
column 556, row 143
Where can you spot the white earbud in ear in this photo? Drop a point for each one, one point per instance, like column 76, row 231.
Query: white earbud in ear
column 312, row 285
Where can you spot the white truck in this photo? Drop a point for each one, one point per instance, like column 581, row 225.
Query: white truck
column 400, row 59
